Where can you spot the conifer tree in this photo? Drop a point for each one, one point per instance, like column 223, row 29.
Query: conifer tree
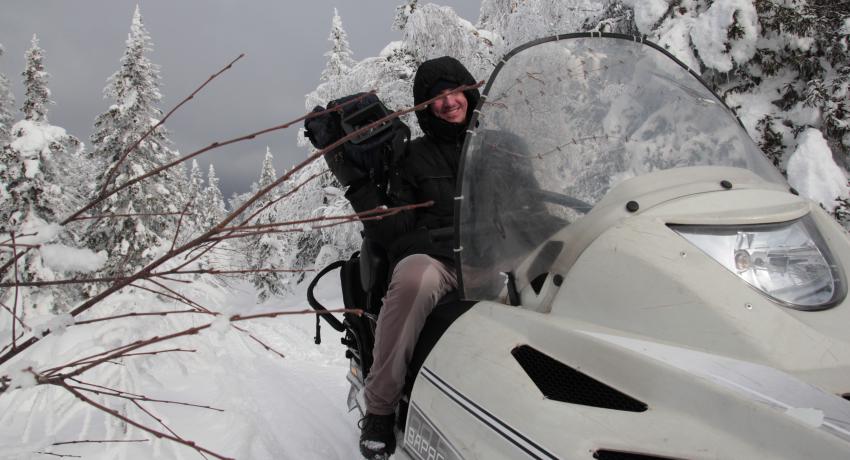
column 214, row 209
column 40, row 179
column 264, row 251
column 35, row 83
column 402, row 14
column 339, row 57
column 132, row 241
column 7, row 102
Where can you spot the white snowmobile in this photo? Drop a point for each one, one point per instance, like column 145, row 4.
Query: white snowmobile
column 639, row 282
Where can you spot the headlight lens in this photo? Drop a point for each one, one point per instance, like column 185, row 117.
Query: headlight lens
column 788, row 261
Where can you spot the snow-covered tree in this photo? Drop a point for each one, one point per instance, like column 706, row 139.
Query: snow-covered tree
column 7, row 103
column 402, row 14
column 35, row 83
column 214, row 208
column 264, row 251
column 40, row 181
column 131, row 241
column 339, row 56
column 783, row 66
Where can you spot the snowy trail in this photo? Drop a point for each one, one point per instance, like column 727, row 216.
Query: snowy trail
column 273, row 407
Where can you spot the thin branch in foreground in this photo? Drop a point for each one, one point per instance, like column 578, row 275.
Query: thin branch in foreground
column 134, row 315
column 214, row 145
column 111, row 175
column 260, row 342
column 180, row 223
column 98, row 441
column 15, row 305
column 161, row 423
column 14, row 316
column 129, row 421
column 134, row 214
column 58, row 455
column 144, row 398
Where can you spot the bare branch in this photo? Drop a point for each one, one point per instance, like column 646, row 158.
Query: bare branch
column 111, row 175
column 99, row 441
column 116, row 414
column 180, row 223
column 134, row 214
column 212, row 146
column 15, row 305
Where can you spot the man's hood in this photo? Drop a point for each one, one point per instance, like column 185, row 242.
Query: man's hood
column 430, row 73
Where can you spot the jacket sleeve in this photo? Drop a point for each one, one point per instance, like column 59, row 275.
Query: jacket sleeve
column 366, row 196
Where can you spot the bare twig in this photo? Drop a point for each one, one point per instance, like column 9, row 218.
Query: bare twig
column 15, row 305
column 111, row 175
column 180, row 223
column 204, row 238
column 136, row 315
column 194, row 154
column 133, row 214
column 13, row 315
column 255, row 339
column 99, row 441
column 128, row 420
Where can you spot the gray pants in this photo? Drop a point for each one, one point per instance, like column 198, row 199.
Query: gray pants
column 417, row 284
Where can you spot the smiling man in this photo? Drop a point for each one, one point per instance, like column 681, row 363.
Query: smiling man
column 423, row 267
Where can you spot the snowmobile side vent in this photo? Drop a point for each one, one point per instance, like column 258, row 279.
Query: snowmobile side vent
column 603, row 454
column 560, row 382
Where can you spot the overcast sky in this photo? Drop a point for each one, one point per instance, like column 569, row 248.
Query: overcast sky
column 284, row 42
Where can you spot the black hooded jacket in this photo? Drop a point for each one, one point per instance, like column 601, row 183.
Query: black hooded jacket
column 427, row 172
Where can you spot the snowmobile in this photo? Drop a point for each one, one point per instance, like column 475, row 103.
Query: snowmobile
column 638, row 281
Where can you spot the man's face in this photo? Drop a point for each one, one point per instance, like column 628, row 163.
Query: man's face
column 450, row 107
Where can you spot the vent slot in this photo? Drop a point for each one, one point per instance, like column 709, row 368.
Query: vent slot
column 618, row 455
column 559, row 382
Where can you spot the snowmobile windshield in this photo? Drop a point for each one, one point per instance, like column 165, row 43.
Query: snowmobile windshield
column 562, row 123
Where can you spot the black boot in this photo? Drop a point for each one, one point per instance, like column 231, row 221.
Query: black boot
column 377, row 439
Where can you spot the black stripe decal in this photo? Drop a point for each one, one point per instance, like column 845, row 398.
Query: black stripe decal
column 515, row 437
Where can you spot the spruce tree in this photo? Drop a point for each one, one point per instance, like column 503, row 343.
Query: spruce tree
column 264, row 251
column 402, row 14
column 40, row 179
column 132, row 241
column 214, row 208
column 7, row 103
column 35, row 83
column 339, row 57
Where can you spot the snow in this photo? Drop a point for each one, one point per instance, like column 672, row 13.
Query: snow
column 61, row 258
column 33, row 139
column 709, row 34
column 273, row 407
column 647, row 12
column 38, row 231
column 813, row 172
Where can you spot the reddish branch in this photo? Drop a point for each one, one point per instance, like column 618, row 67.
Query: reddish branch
column 134, row 214
column 15, row 305
column 14, row 315
column 99, row 441
column 111, row 175
column 136, row 315
column 60, row 379
column 128, row 420
column 212, row 146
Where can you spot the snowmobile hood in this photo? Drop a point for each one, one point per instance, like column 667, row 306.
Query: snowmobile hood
column 429, row 74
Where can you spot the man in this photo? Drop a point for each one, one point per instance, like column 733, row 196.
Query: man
column 423, row 268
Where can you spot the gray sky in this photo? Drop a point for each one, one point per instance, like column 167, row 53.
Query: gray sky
column 284, row 42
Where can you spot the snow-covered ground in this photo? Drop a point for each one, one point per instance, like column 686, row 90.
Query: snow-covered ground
column 272, row 407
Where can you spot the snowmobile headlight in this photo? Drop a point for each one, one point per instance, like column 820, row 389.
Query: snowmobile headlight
column 788, row 261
